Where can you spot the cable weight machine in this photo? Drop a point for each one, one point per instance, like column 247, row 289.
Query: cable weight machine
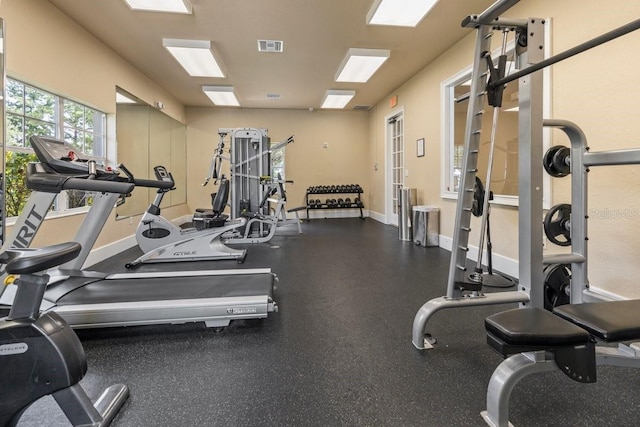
column 251, row 183
column 464, row 286
column 462, row 289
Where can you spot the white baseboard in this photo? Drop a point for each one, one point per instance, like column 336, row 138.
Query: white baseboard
column 107, row 251
column 377, row 216
column 501, row 263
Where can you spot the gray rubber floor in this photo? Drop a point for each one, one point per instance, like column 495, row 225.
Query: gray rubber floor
column 338, row 353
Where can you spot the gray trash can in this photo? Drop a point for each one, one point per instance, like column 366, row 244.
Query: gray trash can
column 426, row 228
column 407, row 199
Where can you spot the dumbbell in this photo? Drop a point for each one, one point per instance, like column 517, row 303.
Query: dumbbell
column 347, row 202
column 311, row 203
column 340, row 202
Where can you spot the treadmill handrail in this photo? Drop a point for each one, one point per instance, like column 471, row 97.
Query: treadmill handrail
column 152, row 183
column 44, row 179
column 148, row 183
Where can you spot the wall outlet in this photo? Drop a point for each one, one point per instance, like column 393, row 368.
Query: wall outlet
column 325, row 145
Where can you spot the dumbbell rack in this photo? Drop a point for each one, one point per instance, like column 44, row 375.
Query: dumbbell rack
column 334, row 189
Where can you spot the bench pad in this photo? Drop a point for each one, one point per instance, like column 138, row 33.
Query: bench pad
column 533, row 329
column 608, row 321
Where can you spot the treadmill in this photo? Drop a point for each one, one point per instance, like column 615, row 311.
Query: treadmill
column 89, row 299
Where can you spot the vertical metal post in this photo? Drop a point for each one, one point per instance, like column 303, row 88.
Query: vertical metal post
column 579, row 208
column 91, row 226
column 530, row 91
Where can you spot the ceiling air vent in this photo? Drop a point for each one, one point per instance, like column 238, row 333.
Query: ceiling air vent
column 273, row 96
column 362, row 107
column 276, row 46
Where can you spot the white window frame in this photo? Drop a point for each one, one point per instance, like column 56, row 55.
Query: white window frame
column 60, row 203
column 447, row 128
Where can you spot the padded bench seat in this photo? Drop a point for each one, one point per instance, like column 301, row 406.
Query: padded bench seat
column 608, row 321
column 537, row 340
column 207, row 218
column 531, row 329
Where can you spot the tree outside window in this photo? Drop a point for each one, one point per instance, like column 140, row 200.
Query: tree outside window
column 33, row 111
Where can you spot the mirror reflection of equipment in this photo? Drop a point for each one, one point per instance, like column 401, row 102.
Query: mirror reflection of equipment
column 481, row 201
column 489, row 279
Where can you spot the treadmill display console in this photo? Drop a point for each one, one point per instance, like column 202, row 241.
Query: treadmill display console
column 61, row 156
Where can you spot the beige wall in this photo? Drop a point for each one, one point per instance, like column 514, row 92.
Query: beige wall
column 597, row 89
column 45, row 48
column 307, row 162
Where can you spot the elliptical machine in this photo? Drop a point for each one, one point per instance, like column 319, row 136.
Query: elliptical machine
column 163, row 241
column 40, row 354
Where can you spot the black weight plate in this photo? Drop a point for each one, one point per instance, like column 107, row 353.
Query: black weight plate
column 557, row 281
column 478, row 198
column 556, row 224
column 560, row 161
column 554, row 161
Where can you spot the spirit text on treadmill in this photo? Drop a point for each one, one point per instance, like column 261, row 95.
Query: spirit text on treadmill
column 28, row 230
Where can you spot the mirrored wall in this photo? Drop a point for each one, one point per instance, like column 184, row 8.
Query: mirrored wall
column 2, row 131
column 146, row 138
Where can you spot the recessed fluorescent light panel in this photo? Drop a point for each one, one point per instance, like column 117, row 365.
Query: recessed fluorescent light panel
column 360, row 64
column 170, row 6
column 401, row 13
column 337, row 98
column 221, row 95
column 195, row 56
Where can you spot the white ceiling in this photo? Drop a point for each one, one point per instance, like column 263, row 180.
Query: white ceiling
column 316, row 36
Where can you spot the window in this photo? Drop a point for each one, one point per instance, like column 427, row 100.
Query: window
column 277, row 162
column 504, row 173
column 33, row 111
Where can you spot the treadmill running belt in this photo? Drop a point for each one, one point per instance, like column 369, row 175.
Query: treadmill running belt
column 169, row 288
